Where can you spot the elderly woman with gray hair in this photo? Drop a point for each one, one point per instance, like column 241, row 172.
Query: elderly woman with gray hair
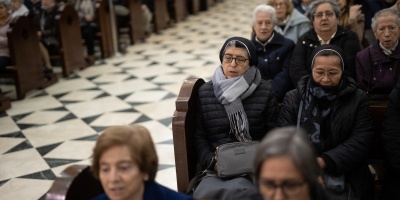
column 378, row 66
column 289, row 21
column 5, row 20
column 273, row 50
column 337, row 118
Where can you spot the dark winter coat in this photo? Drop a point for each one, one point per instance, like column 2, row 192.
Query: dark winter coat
column 212, row 123
column 350, row 134
column 273, row 63
column 300, row 64
column 391, row 144
column 48, row 28
column 377, row 73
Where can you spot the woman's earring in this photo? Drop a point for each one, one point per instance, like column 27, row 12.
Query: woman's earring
column 146, row 177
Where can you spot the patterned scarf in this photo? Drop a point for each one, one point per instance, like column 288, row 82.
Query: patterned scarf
column 230, row 93
column 315, row 111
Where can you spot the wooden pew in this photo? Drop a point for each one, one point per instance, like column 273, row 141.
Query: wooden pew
column 137, row 29
column 180, row 10
column 160, row 15
column 69, row 36
column 183, row 128
column 75, row 182
column 206, row 4
column 107, row 28
column 4, row 103
column 27, row 69
column 193, row 6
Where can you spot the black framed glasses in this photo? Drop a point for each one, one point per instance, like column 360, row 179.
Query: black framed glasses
column 289, row 188
column 327, row 14
column 239, row 60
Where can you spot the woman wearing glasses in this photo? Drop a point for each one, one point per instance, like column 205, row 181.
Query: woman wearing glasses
column 325, row 15
column 236, row 105
column 285, row 168
column 336, row 116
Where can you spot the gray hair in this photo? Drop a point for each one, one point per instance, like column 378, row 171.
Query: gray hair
column 292, row 142
column 315, row 4
column 264, row 8
column 6, row 3
column 384, row 13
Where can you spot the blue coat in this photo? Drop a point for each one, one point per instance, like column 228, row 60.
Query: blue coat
column 273, row 63
column 153, row 190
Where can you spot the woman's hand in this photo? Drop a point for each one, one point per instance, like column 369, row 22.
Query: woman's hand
column 89, row 18
column 354, row 12
column 321, row 162
column 321, row 181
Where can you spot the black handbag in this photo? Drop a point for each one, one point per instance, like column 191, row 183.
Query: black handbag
column 235, row 159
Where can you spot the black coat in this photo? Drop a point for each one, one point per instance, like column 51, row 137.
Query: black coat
column 350, row 133
column 212, row 123
column 48, row 28
column 273, row 63
column 300, row 64
column 391, row 144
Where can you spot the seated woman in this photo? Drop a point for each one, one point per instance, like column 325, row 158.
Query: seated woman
column 274, row 51
column 236, row 105
column 391, row 144
column 378, row 66
column 290, row 22
column 5, row 20
column 125, row 161
column 18, row 9
column 337, row 118
column 325, row 15
column 285, row 168
column 352, row 19
column 86, row 13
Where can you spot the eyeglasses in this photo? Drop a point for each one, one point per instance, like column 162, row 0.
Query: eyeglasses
column 239, row 60
column 327, row 14
column 289, row 188
column 330, row 74
column 280, row 4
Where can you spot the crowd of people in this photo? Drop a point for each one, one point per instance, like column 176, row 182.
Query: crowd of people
column 314, row 69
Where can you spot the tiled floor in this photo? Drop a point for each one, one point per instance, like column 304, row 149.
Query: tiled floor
column 57, row 126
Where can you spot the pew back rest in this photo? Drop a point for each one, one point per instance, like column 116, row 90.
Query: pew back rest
column 107, row 27
column 69, row 36
column 23, row 44
column 183, row 129
column 75, row 182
